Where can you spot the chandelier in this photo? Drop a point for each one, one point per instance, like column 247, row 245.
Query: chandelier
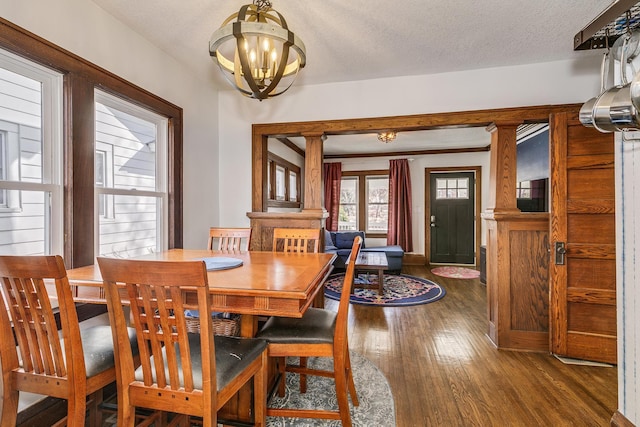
column 266, row 56
column 386, row 137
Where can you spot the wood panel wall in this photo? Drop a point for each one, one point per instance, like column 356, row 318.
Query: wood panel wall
column 518, row 281
column 263, row 223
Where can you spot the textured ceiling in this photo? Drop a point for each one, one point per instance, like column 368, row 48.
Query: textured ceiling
column 348, row 40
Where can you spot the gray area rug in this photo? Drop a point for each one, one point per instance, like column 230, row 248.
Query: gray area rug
column 376, row 401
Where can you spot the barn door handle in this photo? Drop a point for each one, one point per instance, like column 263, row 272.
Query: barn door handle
column 560, row 253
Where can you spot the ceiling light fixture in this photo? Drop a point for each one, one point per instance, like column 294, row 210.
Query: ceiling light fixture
column 386, row 137
column 265, row 58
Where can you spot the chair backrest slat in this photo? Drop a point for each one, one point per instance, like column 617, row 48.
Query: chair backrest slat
column 155, row 295
column 229, row 239
column 299, row 240
column 24, row 293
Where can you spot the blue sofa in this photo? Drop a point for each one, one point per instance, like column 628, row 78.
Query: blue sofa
column 340, row 242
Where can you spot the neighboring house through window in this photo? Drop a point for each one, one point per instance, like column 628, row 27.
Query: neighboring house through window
column 3, row 168
column 130, row 181
column 30, row 158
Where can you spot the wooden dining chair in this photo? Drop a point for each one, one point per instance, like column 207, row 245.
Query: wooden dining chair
column 319, row 333
column 188, row 374
column 34, row 357
column 229, row 239
column 296, row 239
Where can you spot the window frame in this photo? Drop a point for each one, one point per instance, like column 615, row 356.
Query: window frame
column 273, row 162
column 109, row 190
column 363, row 204
column 51, row 138
column 81, row 78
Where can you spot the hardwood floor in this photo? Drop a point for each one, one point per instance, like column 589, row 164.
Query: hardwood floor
column 444, row 371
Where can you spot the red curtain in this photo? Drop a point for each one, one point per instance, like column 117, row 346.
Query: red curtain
column 332, row 177
column 399, row 232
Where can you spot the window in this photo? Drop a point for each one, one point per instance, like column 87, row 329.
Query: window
column 523, row 190
column 130, row 182
column 348, row 215
column 452, row 188
column 364, row 202
column 30, row 158
column 34, row 116
column 284, row 182
column 3, row 168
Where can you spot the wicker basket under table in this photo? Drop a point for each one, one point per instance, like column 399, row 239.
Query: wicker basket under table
column 221, row 325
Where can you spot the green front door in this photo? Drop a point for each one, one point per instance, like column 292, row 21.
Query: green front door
column 451, row 217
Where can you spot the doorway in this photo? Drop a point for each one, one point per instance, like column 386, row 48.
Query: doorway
column 451, row 214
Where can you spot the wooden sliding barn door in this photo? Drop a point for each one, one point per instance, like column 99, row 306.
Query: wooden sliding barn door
column 582, row 311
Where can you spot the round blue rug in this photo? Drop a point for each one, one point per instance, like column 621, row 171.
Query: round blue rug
column 399, row 290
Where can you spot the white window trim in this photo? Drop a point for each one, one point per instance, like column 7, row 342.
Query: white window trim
column 52, row 83
column 160, row 149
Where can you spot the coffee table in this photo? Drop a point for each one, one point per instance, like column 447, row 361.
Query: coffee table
column 372, row 261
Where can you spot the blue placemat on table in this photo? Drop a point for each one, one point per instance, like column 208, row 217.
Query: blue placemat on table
column 221, row 263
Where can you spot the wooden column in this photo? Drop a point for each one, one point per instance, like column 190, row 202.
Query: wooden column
column 502, row 174
column 313, row 195
column 517, row 255
column 259, row 159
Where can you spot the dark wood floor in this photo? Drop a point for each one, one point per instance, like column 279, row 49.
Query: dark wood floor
column 444, row 371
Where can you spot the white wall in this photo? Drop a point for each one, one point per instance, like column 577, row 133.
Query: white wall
column 83, row 28
column 549, row 83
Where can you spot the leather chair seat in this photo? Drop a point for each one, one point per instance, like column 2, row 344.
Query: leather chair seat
column 233, row 356
column 315, row 327
column 97, row 342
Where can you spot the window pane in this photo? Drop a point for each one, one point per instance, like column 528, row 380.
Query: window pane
column 293, row 184
column 26, row 231
column 132, row 230
column 452, row 188
column 130, row 177
column 132, row 140
column 30, row 147
column 377, row 204
column 377, row 190
column 280, row 189
column 377, row 218
column 348, row 217
column 3, row 169
column 349, row 190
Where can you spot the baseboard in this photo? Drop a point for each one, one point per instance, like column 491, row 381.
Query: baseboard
column 619, row 420
column 414, row 259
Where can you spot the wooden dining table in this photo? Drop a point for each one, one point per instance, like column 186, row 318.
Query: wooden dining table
column 264, row 284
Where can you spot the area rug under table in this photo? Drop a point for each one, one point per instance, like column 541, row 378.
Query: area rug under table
column 399, row 290
column 374, row 394
column 456, row 272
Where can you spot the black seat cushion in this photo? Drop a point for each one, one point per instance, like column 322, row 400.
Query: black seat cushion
column 233, row 355
column 315, row 327
column 97, row 344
